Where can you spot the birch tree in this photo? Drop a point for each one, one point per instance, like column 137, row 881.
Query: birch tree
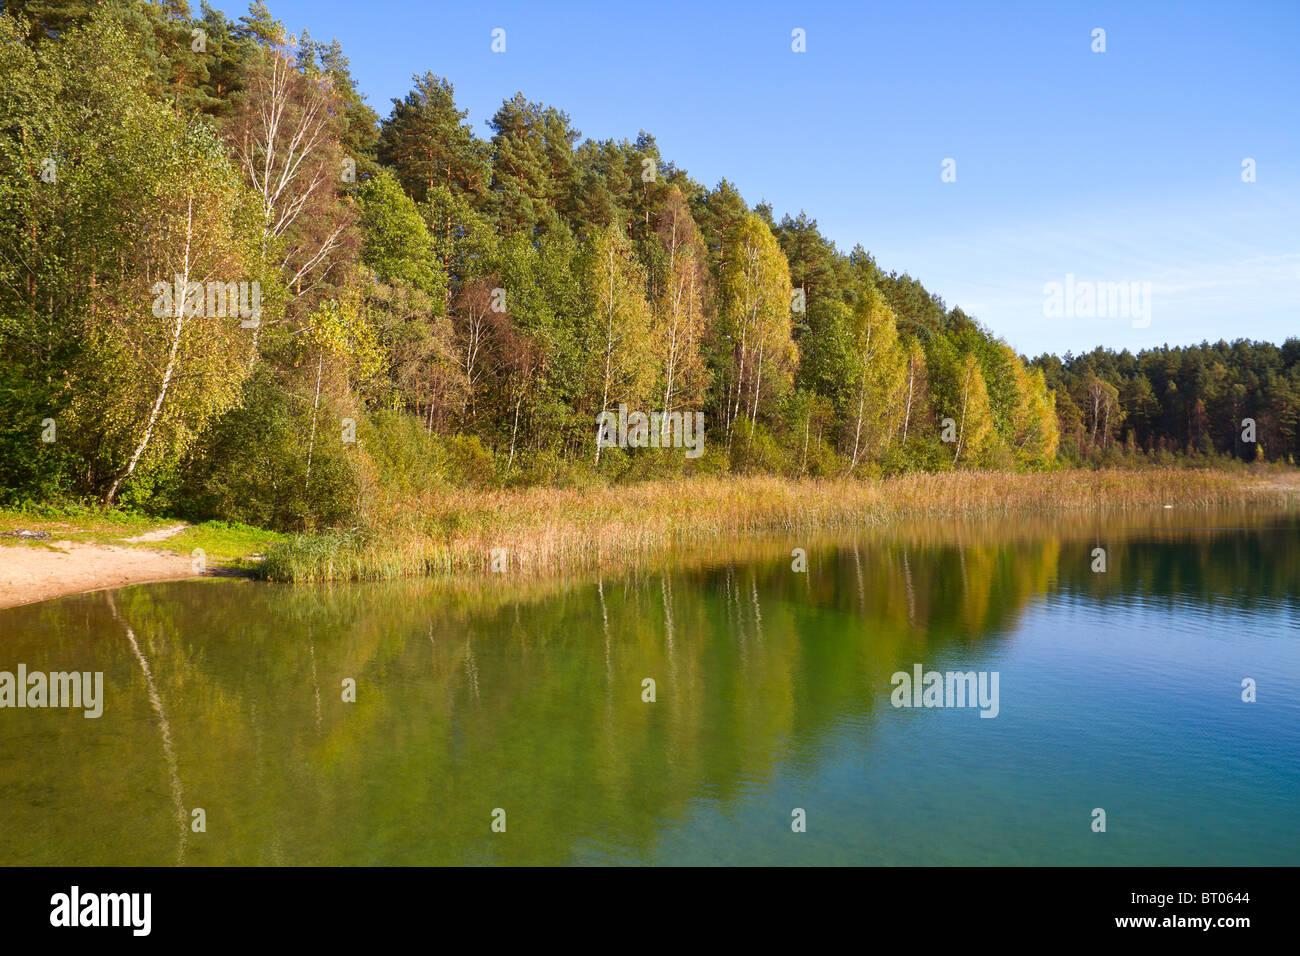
column 680, row 312
column 880, row 374
column 341, row 337
column 1034, row 433
column 476, row 346
column 756, row 297
column 163, row 350
column 915, row 389
column 622, row 368
column 284, row 131
column 975, row 421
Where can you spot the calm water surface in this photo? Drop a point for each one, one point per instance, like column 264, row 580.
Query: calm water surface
column 1120, row 690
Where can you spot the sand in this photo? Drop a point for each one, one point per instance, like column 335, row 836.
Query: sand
column 29, row 574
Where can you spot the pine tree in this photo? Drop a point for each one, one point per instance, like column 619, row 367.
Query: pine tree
column 427, row 142
column 533, row 170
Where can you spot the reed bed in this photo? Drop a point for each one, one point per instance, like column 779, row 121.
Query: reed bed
column 549, row 531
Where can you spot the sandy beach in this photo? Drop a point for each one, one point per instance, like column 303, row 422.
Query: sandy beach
column 29, row 574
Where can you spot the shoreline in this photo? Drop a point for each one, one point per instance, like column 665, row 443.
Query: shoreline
column 545, row 532
column 29, row 575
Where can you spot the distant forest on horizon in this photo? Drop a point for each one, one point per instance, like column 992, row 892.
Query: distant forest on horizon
column 438, row 308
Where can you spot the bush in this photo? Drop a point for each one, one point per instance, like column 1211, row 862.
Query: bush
column 251, row 466
column 547, row 468
column 714, row 462
column 409, row 460
column 755, row 450
column 468, row 462
column 323, row 556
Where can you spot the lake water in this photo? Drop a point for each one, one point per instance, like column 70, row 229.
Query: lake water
column 1119, row 690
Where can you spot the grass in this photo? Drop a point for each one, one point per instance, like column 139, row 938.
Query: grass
column 79, row 524
column 225, row 544
column 229, row 543
column 546, row 531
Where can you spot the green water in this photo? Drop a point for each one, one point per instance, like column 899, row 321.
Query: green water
column 1118, row 690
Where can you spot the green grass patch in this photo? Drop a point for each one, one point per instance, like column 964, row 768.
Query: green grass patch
column 226, row 542
column 319, row 556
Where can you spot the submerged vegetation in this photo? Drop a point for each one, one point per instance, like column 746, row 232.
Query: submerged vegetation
column 438, row 320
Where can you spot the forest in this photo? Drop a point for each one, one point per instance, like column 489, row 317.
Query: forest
column 434, row 308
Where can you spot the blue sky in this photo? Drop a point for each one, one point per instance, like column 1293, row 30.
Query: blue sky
column 1117, row 166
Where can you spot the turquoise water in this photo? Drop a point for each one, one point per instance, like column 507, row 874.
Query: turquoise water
column 1119, row 690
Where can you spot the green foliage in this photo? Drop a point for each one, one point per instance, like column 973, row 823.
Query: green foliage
column 251, row 466
column 468, row 306
column 1191, row 400
column 427, row 143
column 109, row 194
column 397, row 245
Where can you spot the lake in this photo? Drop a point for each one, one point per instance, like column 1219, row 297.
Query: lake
column 508, row 720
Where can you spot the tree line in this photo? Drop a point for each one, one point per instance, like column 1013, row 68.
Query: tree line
column 435, row 306
column 1239, row 398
